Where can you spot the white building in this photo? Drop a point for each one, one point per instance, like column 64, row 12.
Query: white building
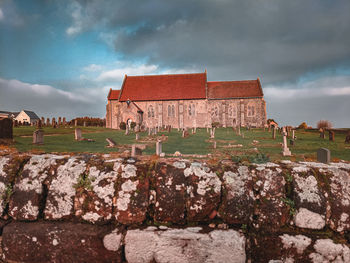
column 26, row 116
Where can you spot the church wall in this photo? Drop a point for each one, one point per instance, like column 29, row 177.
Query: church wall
column 190, row 113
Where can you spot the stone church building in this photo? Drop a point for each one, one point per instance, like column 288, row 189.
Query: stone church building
column 186, row 101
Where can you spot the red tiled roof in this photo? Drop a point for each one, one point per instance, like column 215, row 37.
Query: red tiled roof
column 164, row 87
column 113, row 94
column 234, row 89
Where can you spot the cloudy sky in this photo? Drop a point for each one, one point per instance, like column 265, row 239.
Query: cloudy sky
column 60, row 58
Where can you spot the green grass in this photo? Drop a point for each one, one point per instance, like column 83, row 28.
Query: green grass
column 62, row 140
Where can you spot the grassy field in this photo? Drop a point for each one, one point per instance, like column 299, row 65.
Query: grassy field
column 306, row 145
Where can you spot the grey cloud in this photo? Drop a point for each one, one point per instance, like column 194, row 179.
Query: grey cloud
column 276, row 40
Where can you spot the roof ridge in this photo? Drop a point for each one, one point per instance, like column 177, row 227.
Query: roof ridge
column 245, row 80
column 177, row 74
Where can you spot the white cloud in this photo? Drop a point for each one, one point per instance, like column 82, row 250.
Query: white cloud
column 326, row 86
column 1, row 14
column 119, row 73
column 76, row 13
column 93, row 68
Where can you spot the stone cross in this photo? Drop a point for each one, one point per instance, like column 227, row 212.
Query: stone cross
column 286, row 151
column 77, row 134
column 323, row 155
column 38, row 137
column 331, row 136
column 158, row 148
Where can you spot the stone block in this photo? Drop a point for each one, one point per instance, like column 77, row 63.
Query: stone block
column 111, row 142
column 77, row 134
column 6, row 128
column 38, row 137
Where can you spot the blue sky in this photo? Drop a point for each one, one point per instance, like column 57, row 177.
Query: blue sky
column 60, row 58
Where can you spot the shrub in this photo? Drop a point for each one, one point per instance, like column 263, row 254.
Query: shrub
column 324, row 124
column 122, row 125
column 215, row 124
column 302, row 125
column 259, row 158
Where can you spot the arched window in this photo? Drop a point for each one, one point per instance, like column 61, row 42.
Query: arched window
column 232, row 112
column 173, row 110
column 150, row 112
column 189, row 110
column 169, row 111
column 251, row 111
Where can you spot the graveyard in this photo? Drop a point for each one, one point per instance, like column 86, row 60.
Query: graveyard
column 226, row 144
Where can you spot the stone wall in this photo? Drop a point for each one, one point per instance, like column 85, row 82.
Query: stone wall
column 189, row 113
column 88, row 208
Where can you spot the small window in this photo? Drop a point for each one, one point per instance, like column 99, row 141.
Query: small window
column 169, row 111
column 251, row 111
column 173, row 110
column 150, row 112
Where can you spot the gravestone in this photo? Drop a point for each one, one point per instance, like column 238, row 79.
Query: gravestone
column 212, row 133
column 64, row 121
column 6, row 129
column 127, row 130
column 59, row 121
column 347, row 138
column 293, row 134
column 214, row 145
column 42, row 121
column 137, row 137
column 323, row 155
column 75, row 122
column 77, row 134
column 274, row 133
column 135, row 151
column 149, row 131
column 286, row 151
column 185, row 133
column 47, row 121
column 84, row 124
column 331, row 136
column 111, row 142
column 322, row 133
column 39, row 124
column 158, row 148
column 38, row 137
column 53, row 122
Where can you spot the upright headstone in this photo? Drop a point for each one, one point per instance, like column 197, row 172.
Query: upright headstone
column 84, row 124
column 286, row 151
column 273, row 133
column 48, row 122
column 77, row 134
column 149, row 131
column 135, row 151
column 293, row 134
column 42, row 121
column 214, row 145
column 38, row 137
column 323, row 155
column 347, row 138
column 6, row 129
column 137, row 136
column 158, row 147
column 75, row 122
column 53, row 122
column 322, row 133
column 331, row 136
column 39, row 124
column 64, row 121
column 59, row 121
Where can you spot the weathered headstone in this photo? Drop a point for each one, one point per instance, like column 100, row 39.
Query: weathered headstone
column 293, row 134
column 47, row 121
column 84, row 124
column 77, row 134
column 158, row 147
column 274, row 133
column 331, row 136
column 135, row 150
column 38, row 137
column 323, row 155
column 75, row 122
column 322, row 134
column 53, row 121
column 39, row 124
column 111, row 142
column 347, row 138
column 64, row 121
column 137, row 137
column 59, row 121
column 286, row 151
column 6, row 129
column 42, row 121
column 214, row 145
